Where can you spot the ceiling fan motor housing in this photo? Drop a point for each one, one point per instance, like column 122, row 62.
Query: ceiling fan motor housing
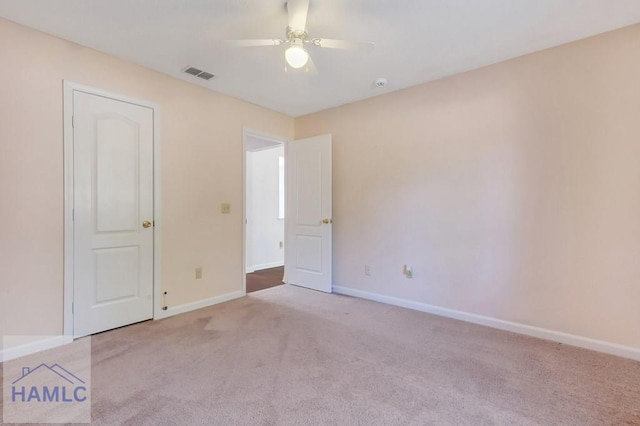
column 293, row 34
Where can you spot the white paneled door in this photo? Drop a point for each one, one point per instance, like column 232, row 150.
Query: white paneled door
column 308, row 218
column 112, row 213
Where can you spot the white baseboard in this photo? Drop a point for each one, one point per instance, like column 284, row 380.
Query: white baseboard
column 40, row 344
column 556, row 336
column 264, row 266
column 188, row 307
column 48, row 342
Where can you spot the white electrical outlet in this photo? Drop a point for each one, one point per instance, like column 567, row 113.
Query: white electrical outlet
column 367, row 270
column 407, row 271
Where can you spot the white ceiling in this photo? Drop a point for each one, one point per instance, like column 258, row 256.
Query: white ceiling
column 416, row 40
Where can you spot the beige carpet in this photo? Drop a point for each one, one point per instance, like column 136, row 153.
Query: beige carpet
column 296, row 357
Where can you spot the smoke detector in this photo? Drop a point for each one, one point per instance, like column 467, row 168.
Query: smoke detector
column 380, row 82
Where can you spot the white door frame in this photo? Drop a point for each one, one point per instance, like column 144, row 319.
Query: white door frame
column 68, row 89
column 246, row 132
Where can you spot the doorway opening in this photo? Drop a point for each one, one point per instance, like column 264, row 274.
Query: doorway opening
column 264, row 212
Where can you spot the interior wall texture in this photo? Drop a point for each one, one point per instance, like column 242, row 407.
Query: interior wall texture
column 513, row 190
column 202, row 157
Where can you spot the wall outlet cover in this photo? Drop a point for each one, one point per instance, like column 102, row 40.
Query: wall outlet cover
column 407, row 271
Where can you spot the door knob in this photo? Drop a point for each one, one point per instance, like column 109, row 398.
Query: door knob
column 327, row 221
column 147, row 224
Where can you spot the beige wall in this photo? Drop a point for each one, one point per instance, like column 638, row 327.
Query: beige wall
column 513, row 190
column 201, row 139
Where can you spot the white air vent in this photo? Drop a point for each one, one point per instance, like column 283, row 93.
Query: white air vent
column 199, row 73
column 205, row 75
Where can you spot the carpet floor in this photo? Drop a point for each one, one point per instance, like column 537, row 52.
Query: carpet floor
column 291, row 356
column 264, row 278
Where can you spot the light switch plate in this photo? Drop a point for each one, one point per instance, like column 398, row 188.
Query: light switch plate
column 225, row 208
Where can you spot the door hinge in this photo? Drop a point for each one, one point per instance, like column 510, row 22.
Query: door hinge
column 73, row 121
column 73, row 308
column 73, row 215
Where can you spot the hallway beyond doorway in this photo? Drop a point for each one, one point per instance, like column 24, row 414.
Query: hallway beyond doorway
column 265, row 278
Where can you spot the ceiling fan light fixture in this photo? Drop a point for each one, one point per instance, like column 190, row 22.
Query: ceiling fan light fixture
column 296, row 56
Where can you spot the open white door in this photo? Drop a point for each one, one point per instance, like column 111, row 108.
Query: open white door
column 112, row 213
column 308, row 218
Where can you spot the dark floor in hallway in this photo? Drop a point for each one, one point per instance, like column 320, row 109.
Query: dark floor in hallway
column 264, row 278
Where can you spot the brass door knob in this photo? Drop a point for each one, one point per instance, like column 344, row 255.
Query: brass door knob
column 147, row 224
column 327, row 221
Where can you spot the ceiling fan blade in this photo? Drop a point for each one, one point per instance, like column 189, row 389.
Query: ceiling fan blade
column 297, row 10
column 331, row 43
column 253, row 43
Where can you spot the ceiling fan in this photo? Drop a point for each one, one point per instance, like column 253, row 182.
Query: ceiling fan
column 296, row 54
